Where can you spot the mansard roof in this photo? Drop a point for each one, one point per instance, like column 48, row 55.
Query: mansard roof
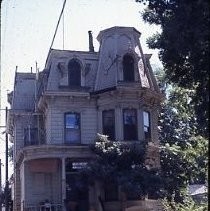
column 118, row 29
column 24, row 91
column 100, row 71
column 58, row 53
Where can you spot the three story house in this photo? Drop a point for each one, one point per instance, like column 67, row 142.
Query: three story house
column 56, row 114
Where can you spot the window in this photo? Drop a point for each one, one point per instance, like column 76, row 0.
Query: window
column 109, row 124
column 147, row 131
column 74, row 70
column 128, row 68
column 130, row 124
column 31, row 136
column 72, row 128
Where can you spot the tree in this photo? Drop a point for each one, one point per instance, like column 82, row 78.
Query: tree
column 10, row 153
column 187, row 205
column 184, row 48
column 2, row 198
column 123, row 164
column 184, row 154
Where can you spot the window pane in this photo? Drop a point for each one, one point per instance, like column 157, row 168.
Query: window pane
column 31, row 136
column 128, row 68
column 130, row 124
column 146, row 119
column 147, row 132
column 109, row 124
column 108, row 117
column 72, row 128
column 129, row 117
column 72, row 121
column 74, row 73
column 146, row 129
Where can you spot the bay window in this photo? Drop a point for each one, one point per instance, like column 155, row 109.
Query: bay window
column 147, row 129
column 130, row 124
column 109, row 124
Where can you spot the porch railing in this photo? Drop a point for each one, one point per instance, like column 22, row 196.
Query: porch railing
column 34, row 136
column 49, row 207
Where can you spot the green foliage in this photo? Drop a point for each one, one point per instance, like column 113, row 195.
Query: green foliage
column 3, row 196
column 10, row 153
column 187, row 205
column 184, row 48
column 184, row 154
column 124, row 165
column 183, row 166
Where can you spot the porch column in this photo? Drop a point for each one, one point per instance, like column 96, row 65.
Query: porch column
column 63, row 185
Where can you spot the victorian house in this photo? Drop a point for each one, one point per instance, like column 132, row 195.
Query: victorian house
column 56, row 114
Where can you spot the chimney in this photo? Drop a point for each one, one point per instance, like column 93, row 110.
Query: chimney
column 91, row 47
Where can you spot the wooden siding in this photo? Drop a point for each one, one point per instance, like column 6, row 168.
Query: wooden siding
column 19, row 143
column 58, row 98
column 56, row 151
column 40, row 186
column 23, row 96
column 55, row 119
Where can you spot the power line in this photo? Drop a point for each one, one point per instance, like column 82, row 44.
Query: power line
column 63, row 30
column 58, row 24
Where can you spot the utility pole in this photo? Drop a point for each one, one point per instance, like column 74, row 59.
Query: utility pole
column 6, row 169
column 0, row 189
column 6, row 190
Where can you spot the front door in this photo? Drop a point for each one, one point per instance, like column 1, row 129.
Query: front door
column 76, row 191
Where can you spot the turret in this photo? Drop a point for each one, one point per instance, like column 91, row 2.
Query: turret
column 121, row 60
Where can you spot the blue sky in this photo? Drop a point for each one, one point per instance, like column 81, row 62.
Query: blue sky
column 27, row 28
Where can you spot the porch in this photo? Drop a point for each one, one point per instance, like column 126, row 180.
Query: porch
column 52, row 184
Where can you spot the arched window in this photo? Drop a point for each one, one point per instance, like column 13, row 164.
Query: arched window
column 128, row 68
column 74, row 70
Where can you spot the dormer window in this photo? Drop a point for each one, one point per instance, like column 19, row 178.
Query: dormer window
column 128, row 68
column 74, row 72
